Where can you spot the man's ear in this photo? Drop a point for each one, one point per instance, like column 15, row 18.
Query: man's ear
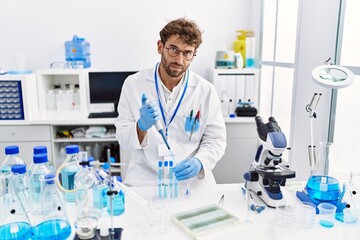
column 160, row 46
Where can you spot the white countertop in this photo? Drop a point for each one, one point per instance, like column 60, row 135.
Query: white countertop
column 81, row 118
column 135, row 220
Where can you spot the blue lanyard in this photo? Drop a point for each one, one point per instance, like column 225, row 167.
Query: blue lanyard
column 178, row 105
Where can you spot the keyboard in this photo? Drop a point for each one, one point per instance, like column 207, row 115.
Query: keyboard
column 103, row 115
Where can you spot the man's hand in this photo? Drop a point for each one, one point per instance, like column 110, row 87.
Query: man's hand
column 187, row 168
column 149, row 114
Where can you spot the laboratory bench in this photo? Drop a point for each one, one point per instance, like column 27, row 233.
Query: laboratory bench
column 136, row 221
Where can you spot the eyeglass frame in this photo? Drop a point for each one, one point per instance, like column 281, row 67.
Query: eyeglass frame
column 178, row 51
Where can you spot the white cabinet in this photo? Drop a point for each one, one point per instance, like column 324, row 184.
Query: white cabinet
column 239, row 85
column 95, row 146
column 240, row 152
column 68, row 90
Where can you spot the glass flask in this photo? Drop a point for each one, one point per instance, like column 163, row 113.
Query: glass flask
column 14, row 222
column 21, row 185
column 68, row 171
column 87, row 215
column 12, row 158
column 321, row 185
column 52, row 223
column 38, row 169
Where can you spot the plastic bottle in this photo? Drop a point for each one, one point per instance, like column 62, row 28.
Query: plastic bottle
column 250, row 50
column 43, row 149
column 77, row 53
column 240, row 45
column 39, row 169
column 231, row 106
column 69, row 169
column 53, row 222
column 50, row 100
column 97, row 151
column 12, row 158
column 21, row 185
column 118, row 199
column 14, row 222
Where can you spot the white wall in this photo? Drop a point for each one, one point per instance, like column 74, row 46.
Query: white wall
column 122, row 33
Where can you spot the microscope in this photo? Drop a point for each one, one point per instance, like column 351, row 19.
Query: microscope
column 267, row 173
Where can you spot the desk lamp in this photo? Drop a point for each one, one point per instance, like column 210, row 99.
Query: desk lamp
column 321, row 187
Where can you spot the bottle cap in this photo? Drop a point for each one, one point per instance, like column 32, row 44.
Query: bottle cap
column 40, row 158
column 50, row 178
column 106, row 166
column 40, row 149
column 90, row 159
column 18, row 168
column 166, row 163
column 171, row 163
column 160, row 163
column 11, row 150
column 232, row 115
column 118, row 178
column 71, row 149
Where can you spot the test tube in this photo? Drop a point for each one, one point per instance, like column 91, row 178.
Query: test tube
column 171, row 164
column 160, row 176
column 166, row 178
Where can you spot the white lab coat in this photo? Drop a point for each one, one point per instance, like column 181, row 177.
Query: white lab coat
column 207, row 144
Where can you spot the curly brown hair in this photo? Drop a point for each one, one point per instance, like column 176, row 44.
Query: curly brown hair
column 188, row 31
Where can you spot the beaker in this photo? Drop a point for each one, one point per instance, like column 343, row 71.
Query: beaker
column 326, row 214
column 53, row 222
column 14, row 223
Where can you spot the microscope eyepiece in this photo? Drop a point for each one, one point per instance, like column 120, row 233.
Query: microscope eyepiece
column 258, row 121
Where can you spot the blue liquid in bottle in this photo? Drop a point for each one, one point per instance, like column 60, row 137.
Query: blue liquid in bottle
column 324, row 188
column 118, row 204
column 67, row 178
column 99, row 196
column 69, row 170
column 52, row 229
column 15, row 230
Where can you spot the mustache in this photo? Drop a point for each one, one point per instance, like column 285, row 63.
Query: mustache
column 175, row 64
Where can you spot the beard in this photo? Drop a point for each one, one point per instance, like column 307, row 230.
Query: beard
column 173, row 69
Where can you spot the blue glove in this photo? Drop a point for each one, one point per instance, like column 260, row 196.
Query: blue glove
column 187, row 168
column 149, row 114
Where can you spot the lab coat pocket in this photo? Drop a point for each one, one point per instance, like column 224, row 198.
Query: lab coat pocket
column 191, row 125
column 191, row 130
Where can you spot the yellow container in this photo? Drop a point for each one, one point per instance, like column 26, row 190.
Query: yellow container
column 240, row 43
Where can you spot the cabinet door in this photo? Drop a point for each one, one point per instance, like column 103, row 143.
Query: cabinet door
column 250, row 88
column 240, row 153
column 240, row 88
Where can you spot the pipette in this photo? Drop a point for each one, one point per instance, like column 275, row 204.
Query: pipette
column 159, row 128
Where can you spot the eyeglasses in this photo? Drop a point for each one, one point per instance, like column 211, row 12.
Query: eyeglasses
column 174, row 51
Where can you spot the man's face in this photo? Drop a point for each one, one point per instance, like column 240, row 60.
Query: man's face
column 175, row 66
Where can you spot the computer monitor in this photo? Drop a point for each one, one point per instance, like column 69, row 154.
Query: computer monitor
column 105, row 87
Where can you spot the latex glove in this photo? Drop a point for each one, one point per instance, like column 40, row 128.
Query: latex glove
column 187, row 168
column 149, row 114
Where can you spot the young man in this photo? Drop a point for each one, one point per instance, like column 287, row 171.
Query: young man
column 185, row 104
